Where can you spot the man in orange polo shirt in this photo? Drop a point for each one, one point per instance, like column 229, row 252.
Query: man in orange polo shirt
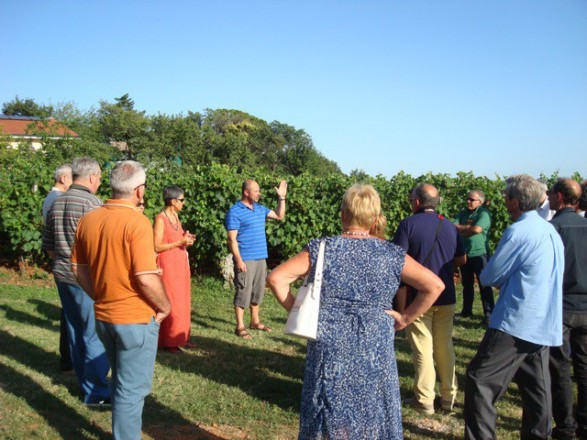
column 114, row 262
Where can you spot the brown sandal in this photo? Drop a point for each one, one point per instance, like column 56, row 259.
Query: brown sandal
column 242, row 333
column 260, row 326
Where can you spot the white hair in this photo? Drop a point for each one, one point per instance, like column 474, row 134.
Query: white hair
column 125, row 177
column 62, row 170
column 84, row 167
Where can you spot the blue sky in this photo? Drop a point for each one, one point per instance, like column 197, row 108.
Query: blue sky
column 492, row 87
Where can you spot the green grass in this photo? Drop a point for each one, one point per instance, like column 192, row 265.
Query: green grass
column 225, row 388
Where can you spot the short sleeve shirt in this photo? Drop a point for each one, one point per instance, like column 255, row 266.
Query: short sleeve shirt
column 475, row 245
column 417, row 235
column 250, row 226
column 116, row 243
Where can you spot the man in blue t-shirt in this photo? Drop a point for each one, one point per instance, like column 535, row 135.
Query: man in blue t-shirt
column 245, row 226
column 435, row 243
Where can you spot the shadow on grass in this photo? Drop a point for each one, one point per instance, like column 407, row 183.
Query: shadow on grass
column 211, row 318
column 26, row 318
column 171, row 425
column 66, row 420
column 50, row 311
column 257, row 372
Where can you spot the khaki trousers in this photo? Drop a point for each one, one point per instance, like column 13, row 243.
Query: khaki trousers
column 430, row 337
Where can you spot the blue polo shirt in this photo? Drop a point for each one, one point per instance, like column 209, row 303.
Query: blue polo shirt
column 250, row 224
column 416, row 234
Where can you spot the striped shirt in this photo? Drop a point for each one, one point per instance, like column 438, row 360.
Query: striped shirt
column 250, row 226
column 60, row 227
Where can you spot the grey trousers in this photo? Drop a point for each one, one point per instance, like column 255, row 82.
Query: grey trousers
column 500, row 359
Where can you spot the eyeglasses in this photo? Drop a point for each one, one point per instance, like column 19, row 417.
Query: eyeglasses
column 181, row 200
column 470, row 199
column 142, row 184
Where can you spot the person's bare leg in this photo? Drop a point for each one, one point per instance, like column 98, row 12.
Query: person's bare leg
column 241, row 331
column 256, row 320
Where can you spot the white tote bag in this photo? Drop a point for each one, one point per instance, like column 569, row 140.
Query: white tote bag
column 303, row 316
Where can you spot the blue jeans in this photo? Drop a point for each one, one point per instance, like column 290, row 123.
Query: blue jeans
column 88, row 355
column 132, row 349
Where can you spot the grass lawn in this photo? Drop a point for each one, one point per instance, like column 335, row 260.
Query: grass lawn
column 226, row 388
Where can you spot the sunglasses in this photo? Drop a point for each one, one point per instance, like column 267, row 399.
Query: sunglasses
column 472, row 200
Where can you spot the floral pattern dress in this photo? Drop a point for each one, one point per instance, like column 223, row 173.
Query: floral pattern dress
column 351, row 385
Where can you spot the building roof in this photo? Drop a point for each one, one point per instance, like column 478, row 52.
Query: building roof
column 21, row 126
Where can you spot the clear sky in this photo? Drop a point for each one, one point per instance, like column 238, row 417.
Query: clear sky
column 492, row 87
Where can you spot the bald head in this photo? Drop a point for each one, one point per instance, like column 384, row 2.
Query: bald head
column 247, row 185
column 426, row 195
column 583, row 198
column 565, row 193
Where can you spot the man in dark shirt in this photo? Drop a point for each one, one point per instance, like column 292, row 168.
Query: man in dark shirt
column 435, row 243
column 563, row 197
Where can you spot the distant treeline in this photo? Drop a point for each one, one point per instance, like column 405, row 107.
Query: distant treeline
column 232, row 137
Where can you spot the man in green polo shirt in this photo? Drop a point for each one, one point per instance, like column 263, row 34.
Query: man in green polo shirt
column 473, row 224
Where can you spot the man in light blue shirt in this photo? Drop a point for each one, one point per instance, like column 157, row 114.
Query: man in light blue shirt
column 528, row 268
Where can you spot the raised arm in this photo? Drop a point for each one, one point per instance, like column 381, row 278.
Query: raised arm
column 279, row 213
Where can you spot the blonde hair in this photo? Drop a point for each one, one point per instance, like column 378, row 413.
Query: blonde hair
column 361, row 206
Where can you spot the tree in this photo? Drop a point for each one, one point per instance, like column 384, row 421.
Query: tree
column 26, row 107
column 299, row 154
column 121, row 123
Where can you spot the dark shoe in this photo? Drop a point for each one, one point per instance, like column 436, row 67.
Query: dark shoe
column 564, row 434
column 101, row 404
column 446, row 407
column 411, row 402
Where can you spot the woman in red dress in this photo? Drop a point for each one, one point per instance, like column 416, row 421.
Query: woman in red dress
column 170, row 244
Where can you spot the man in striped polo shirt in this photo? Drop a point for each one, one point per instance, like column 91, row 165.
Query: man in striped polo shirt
column 88, row 355
column 245, row 225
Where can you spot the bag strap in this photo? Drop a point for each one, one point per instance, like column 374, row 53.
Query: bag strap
column 319, row 267
column 435, row 241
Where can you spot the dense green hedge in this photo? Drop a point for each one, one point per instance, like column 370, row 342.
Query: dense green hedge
column 312, row 204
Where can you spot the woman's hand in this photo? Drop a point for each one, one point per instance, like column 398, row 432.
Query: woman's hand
column 188, row 239
column 401, row 321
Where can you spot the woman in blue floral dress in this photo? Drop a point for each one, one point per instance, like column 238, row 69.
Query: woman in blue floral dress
column 351, row 386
